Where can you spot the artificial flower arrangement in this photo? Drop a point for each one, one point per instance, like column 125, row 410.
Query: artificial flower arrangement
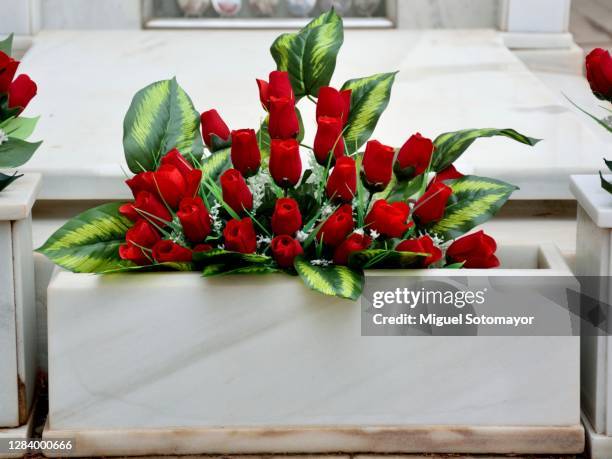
column 250, row 206
column 15, row 95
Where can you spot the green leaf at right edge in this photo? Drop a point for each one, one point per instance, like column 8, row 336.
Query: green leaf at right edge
column 451, row 145
column 333, row 280
column 310, row 54
column 161, row 117
column 369, row 99
column 474, row 201
column 6, row 180
column 89, row 242
column 19, row 128
column 6, row 45
column 16, row 152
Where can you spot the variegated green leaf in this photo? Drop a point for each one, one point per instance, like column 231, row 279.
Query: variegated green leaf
column 331, row 280
column 381, row 258
column 15, row 152
column 310, row 54
column 161, row 117
column 369, row 99
column 219, row 269
column 89, row 242
column 451, row 145
column 474, row 201
column 225, row 256
column 214, row 165
column 6, row 45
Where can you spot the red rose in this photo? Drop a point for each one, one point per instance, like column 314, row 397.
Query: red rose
column 134, row 254
column 21, row 92
column 144, row 181
column 285, row 249
column 8, row 68
column 279, row 86
column 424, row 244
column 174, row 158
column 389, row 219
column 168, row 251
column 240, row 236
column 342, row 182
column 202, row 248
column 431, row 206
column 149, row 207
column 213, row 124
column 354, row 243
column 285, row 162
column 337, row 226
column 328, row 138
column 334, row 103
column 286, row 218
column 599, row 73
column 450, row 173
column 236, row 193
column 245, row 152
column 414, row 156
column 283, row 121
column 194, row 218
column 476, row 250
column 377, row 165
column 141, row 235
column 172, row 185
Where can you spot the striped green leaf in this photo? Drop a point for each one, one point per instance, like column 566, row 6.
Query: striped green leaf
column 215, row 256
column 161, row 117
column 330, row 280
column 89, row 243
column 14, row 152
column 6, row 45
column 381, row 259
column 214, row 165
column 474, row 201
column 451, row 145
column 369, row 99
column 219, row 269
column 310, row 54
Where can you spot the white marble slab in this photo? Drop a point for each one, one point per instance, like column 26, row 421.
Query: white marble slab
column 22, row 432
column 448, row 80
column 17, row 199
column 595, row 201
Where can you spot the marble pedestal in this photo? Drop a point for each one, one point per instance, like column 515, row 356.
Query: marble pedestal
column 171, row 363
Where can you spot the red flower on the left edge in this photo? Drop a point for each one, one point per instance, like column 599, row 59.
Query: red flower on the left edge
column 194, row 218
column 285, row 162
column 423, row 244
column 279, row 85
column 283, row 121
column 147, row 206
column 21, row 91
column 285, row 249
column 236, row 193
column 141, row 236
column 431, row 206
column 8, row 68
column 389, row 219
column 239, row 236
column 168, row 251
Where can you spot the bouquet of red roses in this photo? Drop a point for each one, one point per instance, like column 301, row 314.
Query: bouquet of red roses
column 264, row 202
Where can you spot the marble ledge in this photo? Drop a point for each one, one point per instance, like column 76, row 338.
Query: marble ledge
column 17, row 199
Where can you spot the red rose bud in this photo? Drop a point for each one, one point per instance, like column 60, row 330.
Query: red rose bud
column 8, row 68
column 149, row 207
column 599, row 73
column 245, row 152
column 424, row 244
column 236, row 193
column 285, row 162
column 286, row 218
column 194, row 218
column 144, row 181
column 354, row 243
column 476, row 250
column 171, row 185
column 337, row 226
column 450, row 173
column 174, row 158
column 134, row 254
column 285, row 249
column 202, row 248
column 342, row 182
column 213, row 125
column 240, row 236
column 431, row 206
column 334, row 103
column 389, row 219
column 279, row 86
column 141, row 235
column 168, row 251
column 264, row 96
column 414, row 156
column 328, row 138
column 21, row 92
column 377, row 165
column 283, row 121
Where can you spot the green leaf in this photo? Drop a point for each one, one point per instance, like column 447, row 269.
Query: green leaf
column 214, row 165
column 608, row 164
column 19, row 128
column 224, row 269
column 605, row 184
column 161, row 117
column 225, row 256
column 89, row 242
column 474, row 201
column 381, row 258
column 310, row 54
column 15, row 152
column 165, row 266
column 263, row 139
column 6, row 180
column 6, row 45
column 451, row 145
column 601, row 122
column 369, row 99
column 331, row 280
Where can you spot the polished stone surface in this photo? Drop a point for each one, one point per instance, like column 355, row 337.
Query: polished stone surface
column 596, row 201
column 17, row 199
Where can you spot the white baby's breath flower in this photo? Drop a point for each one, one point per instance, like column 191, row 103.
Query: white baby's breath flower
column 262, row 240
column 217, row 224
column 221, row 246
column 257, row 183
column 301, row 236
column 374, row 234
column 326, row 211
column 359, row 231
column 3, row 137
column 320, row 262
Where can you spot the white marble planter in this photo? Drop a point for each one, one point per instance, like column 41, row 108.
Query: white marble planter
column 176, row 364
column 17, row 303
column 594, row 259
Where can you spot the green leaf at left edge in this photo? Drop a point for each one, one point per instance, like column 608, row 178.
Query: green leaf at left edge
column 16, row 152
column 6, row 45
column 369, row 99
column 89, row 242
column 381, row 258
column 333, row 280
column 6, row 180
column 19, row 128
column 474, row 201
column 451, row 145
column 214, row 165
column 310, row 54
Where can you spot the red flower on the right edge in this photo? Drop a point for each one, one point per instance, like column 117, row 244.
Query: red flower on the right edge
column 476, row 250
column 599, row 73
